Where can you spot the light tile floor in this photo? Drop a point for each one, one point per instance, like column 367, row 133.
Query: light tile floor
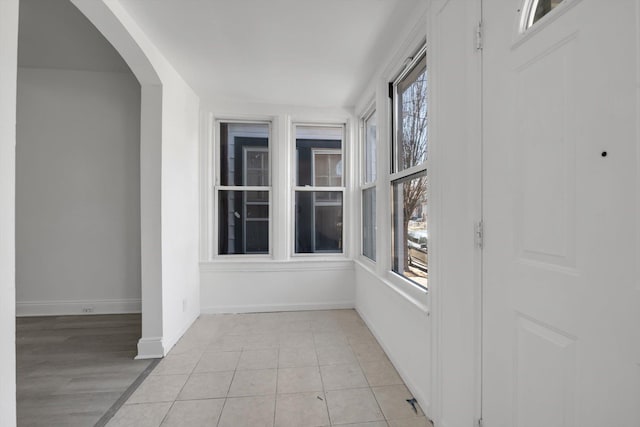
column 291, row 369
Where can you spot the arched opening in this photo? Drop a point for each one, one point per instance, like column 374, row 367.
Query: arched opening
column 82, row 185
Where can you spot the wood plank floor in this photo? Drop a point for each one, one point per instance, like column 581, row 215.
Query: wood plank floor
column 72, row 369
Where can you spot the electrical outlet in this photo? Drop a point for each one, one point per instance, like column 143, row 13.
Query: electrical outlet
column 88, row 309
column 184, row 305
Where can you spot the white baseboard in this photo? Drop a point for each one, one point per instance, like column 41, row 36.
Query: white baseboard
column 150, row 348
column 159, row 347
column 76, row 307
column 267, row 308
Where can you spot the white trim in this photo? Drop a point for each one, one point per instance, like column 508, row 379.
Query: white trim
column 346, row 170
column 243, row 265
column 78, row 307
column 413, row 170
column 150, row 348
column 412, row 294
column 242, row 188
column 367, row 186
column 312, row 189
column 522, row 33
column 267, row 308
column 158, row 347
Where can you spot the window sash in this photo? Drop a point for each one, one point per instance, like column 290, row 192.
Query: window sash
column 399, row 237
column 369, row 148
column 239, row 179
column 404, row 81
column 236, row 223
column 368, row 228
column 307, row 223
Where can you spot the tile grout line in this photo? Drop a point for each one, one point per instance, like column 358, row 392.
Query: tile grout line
column 177, row 395
column 369, row 384
column 275, row 399
column 226, row 397
column 126, row 395
column 326, row 403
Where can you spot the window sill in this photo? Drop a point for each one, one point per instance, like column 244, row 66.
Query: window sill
column 412, row 293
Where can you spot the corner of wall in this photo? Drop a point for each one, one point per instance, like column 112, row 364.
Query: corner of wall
column 8, row 73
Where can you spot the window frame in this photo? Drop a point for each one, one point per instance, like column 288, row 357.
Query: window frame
column 395, row 175
column 529, row 11
column 366, row 185
column 295, row 188
column 217, row 187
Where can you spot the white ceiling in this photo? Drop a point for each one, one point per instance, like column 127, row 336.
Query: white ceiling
column 290, row 52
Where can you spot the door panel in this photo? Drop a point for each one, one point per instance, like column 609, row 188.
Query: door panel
column 561, row 300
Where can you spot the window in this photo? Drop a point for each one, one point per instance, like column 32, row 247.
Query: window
column 243, row 190
column 319, row 189
column 369, row 187
column 410, row 235
column 536, row 9
column 409, row 180
column 370, row 142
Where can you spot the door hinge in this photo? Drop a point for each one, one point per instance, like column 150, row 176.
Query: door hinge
column 479, row 234
column 479, row 36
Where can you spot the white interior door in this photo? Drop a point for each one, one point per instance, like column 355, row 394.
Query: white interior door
column 561, row 329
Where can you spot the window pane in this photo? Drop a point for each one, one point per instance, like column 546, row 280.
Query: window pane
column 244, row 154
column 540, row 8
column 327, row 168
column 410, row 144
column 319, row 156
column 256, row 166
column 318, row 221
column 370, row 138
column 369, row 223
column 243, row 222
column 410, row 230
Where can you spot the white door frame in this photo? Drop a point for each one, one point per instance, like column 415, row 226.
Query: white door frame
column 454, row 66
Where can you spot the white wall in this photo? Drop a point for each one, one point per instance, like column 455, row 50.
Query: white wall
column 169, row 181
column 433, row 339
column 281, row 280
column 397, row 312
column 261, row 286
column 402, row 326
column 8, row 67
column 180, row 275
column 78, row 192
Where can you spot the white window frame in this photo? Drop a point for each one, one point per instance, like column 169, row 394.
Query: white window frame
column 217, row 187
column 396, row 176
column 368, row 185
column 312, row 188
column 529, row 11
